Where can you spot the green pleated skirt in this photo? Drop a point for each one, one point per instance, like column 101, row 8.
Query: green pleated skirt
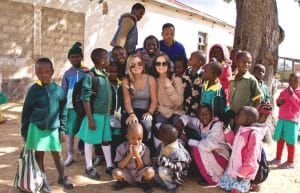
column 42, row 140
column 102, row 133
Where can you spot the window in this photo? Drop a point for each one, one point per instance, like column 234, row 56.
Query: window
column 202, row 42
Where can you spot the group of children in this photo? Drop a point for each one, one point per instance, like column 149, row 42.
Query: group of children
column 224, row 148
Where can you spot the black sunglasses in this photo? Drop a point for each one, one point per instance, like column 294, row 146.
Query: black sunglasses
column 161, row 63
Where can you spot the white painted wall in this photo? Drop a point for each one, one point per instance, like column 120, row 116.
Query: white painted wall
column 99, row 28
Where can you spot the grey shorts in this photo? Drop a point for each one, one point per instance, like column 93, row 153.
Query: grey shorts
column 132, row 176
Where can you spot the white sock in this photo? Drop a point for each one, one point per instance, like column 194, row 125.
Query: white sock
column 88, row 155
column 107, row 154
column 157, row 142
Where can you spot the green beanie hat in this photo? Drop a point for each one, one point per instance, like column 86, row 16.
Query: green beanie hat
column 76, row 49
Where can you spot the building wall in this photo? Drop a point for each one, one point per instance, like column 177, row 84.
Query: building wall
column 100, row 28
column 48, row 28
column 29, row 32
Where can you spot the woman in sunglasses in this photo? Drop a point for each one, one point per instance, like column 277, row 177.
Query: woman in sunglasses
column 140, row 95
column 170, row 94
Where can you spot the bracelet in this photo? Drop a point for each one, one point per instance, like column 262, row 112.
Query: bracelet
column 131, row 113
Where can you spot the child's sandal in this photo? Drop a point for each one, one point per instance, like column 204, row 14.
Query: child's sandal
column 274, row 162
column 286, row 165
column 3, row 121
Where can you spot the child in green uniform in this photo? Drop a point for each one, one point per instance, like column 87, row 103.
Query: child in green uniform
column 259, row 71
column 70, row 78
column 44, row 120
column 95, row 126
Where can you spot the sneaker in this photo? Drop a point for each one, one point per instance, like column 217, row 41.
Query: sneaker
column 98, row 160
column 92, row 173
column 109, row 170
column 145, row 187
column 46, row 186
column 65, row 182
column 201, row 181
column 68, row 161
column 118, row 185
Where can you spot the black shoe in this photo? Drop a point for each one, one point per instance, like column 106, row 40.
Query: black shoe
column 92, row 173
column 174, row 190
column 65, row 182
column 145, row 187
column 46, row 186
column 202, row 181
column 109, row 170
column 118, row 185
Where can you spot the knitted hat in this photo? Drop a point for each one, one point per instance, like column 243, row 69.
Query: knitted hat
column 265, row 109
column 76, row 49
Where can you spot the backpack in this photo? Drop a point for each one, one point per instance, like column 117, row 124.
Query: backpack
column 263, row 167
column 76, row 96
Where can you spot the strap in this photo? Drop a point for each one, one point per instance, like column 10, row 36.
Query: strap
column 212, row 124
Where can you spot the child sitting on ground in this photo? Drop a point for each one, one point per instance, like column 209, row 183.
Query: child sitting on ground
column 246, row 151
column 173, row 160
column 133, row 161
column 207, row 143
column 264, row 111
column 286, row 130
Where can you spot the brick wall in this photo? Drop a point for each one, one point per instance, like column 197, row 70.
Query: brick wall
column 26, row 35
column 16, row 36
column 60, row 29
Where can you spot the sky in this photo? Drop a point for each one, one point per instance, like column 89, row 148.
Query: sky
column 288, row 13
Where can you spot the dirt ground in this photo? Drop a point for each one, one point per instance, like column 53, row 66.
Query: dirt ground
column 279, row 181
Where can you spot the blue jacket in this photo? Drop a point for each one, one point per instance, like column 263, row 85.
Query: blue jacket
column 70, row 78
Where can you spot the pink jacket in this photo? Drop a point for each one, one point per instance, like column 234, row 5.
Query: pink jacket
column 290, row 110
column 243, row 161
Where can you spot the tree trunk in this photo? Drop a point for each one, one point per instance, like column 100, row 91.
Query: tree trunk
column 257, row 31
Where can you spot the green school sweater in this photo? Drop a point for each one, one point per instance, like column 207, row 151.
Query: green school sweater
column 44, row 106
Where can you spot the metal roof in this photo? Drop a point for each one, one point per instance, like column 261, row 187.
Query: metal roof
column 178, row 6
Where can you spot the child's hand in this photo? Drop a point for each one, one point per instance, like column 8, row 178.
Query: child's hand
column 179, row 125
column 135, row 150
column 92, row 124
column 61, row 137
column 239, row 179
column 183, row 137
column 130, row 151
column 290, row 90
column 280, row 102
